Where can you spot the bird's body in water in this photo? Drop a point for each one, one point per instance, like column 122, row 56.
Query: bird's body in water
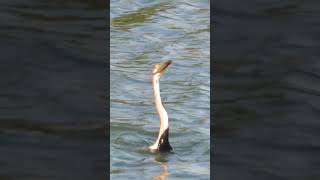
column 162, row 143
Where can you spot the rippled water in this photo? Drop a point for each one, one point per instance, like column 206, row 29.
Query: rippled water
column 144, row 33
column 53, row 72
column 266, row 90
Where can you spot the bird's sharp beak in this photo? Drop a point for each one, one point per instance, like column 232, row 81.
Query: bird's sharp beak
column 162, row 67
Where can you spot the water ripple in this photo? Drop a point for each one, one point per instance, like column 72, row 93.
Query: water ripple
column 143, row 34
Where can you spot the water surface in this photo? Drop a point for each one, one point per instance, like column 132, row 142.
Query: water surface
column 266, row 90
column 53, row 98
column 144, row 33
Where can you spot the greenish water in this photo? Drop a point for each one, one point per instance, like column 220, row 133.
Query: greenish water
column 144, row 33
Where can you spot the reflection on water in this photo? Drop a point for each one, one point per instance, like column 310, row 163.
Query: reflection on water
column 142, row 15
column 164, row 173
column 162, row 160
column 142, row 34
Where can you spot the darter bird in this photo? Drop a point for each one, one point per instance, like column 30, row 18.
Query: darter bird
column 162, row 143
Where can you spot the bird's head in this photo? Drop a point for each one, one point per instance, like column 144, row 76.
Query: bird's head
column 159, row 69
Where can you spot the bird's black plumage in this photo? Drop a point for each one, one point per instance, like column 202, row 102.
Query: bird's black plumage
column 163, row 144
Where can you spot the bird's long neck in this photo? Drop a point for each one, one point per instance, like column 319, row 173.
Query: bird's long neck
column 162, row 142
column 164, row 124
column 157, row 98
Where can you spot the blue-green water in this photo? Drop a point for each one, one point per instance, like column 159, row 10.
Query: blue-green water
column 53, row 98
column 144, row 33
